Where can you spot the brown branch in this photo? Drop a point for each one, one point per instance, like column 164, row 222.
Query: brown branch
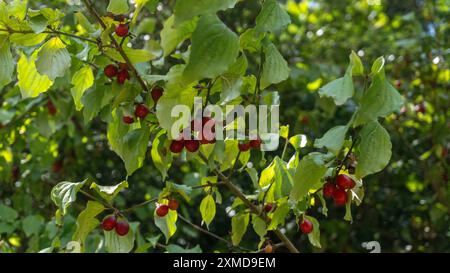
column 253, row 208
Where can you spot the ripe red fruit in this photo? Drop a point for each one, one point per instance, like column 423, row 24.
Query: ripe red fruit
column 122, row 228
column 122, row 30
column 128, row 120
column 162, row 210
column 176, row 146
column 345, row 182
column 110, row 71
column 207, row 137
column 340, row 197
column 256, row 144
column 328, row 189
column 244, row 147
column 268, row 248
column 398, row 83
column 192, row 145
column 268, row 207
column 123, row 76
column 109, row 223
column 173, row 204
column 306, row 226
column 157, row 93
column 141, row 111
column 57, row 166
column 420, row 108
column 51, row 108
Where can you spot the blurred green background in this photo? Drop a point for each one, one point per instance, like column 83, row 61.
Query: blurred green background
column 406, row 207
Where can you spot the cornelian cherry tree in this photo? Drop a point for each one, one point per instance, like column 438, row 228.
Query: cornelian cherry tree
column 96, row 60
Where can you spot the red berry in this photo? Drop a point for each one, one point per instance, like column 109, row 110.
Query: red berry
column 192, row 145
column 340, row 197
column 306, row 226
column 305, row 120
column 109, row 223
column 122, row 30
column 122, row 228
column 173, row 204
column 141, row 111
column 268, row 248
column 244, row 147
column 162, row 210
column 176, row 146
column 111, row 71
column 128, row 120
column 345, row 182
column 57, row 166
column 256, row 144
column 122, row 76
column 420, row 108
column 398, row 83
column 157, row 93
column 328, row 189
column 51, row 108
column 268, row 207
column 207, row 137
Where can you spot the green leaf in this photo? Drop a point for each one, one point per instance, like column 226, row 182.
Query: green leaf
column 6, row 60
column 340, row 90
column 65, row 193
column 38, row 23
column 275, row 68
column 133, row 148
column 27, row 39
column 18, row 9
column 32, row 224
column 179, row 249
column 167, row 224
column 109, row 192
column 259, row 225
column 374, row 149
column 95, row 99
column 186, row 9
column 161, row 156
column 53, row 59
column 31, row 83
column 239, row 224
column 308, row 175
column 119, row 244
column 357, row 66
column 172, row 36
column 314, row 236
column 208, row 209
column 134, row 55
column 214, row 48
column 118, row 6
column 82, row 80
column 250, row 41
column 279, row 215
column 86, row 221
column 333, row 139
column 271, row 18
column 380, row 99
column 7, row 214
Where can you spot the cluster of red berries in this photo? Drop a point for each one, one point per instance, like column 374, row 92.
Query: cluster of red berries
column 192, row 145
column 111, row 222
column 339, row 191
column 140, row 111
column 121, row 72
column 163, row 209
column 246, row 145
